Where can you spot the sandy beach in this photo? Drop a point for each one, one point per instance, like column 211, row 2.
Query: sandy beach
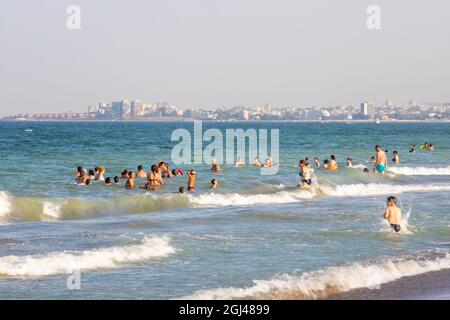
column 432, row 285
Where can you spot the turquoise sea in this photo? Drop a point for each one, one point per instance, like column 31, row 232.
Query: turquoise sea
column 254, row 237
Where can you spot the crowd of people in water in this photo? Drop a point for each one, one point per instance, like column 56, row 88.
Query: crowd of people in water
column 160, row 171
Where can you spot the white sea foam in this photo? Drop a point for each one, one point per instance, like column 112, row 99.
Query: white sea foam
column 66, row 262
column 235, row 199
column 5, row 204
column 357, row 166
column 358, row 190
column 52, row 209
column 323, row 283
column 420, row 171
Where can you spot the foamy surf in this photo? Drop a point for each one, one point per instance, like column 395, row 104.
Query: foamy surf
column 371, row 189
column 66, row 262
column 5, row 205
column 235, row 199
column 420, row 171
column 35, row 209
column 328, row 282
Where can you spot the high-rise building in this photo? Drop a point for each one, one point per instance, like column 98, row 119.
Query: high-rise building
column 121, row 109
column 135, row 108
column 367, row 109
column 389, row 103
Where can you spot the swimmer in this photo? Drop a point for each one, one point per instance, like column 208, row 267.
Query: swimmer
column 307, row 171
column 214, row 184
column 81, row 180
column 101, row 172
column 396, row 158
column 130, row 181
column 413, row 148
column 366, row 170
column 108, row 181
column 79, row 171
column 92, row 174
column 257, row 163
column 393, row 214
column 430, row 147
column 124, row 174
column 349, row 162
column 181, row 190
column 381, row 161
column 373, row 159
column 88, row 182
column 154, row 179
column 140, row 172
column 301, row 164
column 239, row 163
column 215, row 166
column 191, row 181
column 317, row 162
column 333, row 163
column 268, row 163
column 166, row 170
column 116, row 179
column 326, row 164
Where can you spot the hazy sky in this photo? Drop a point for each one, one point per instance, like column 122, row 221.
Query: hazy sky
column 205, row 53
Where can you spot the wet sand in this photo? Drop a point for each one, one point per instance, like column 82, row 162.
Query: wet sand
column 432, row 285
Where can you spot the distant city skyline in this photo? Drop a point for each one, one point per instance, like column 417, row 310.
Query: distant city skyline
column 204, row 54
column 138, row 110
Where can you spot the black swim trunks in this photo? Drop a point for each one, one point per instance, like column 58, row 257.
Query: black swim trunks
column 396, row 227
column 307, row 181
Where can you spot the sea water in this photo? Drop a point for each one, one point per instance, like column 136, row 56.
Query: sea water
column 254, row 237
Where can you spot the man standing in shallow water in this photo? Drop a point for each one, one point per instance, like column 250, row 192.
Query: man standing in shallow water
column 381, row 161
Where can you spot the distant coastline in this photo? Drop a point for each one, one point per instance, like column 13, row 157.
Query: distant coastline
column 188, row 120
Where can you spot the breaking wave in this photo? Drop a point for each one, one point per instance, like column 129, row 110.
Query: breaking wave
column 35, row 209
column 67, row 262
column 420, row 171
column 328, row 282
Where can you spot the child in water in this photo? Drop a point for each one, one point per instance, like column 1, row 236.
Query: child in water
column 214, row 184
column 393, row 214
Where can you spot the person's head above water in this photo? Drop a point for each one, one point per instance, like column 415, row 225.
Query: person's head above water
column 332, row 157
column 213, row 182
column 326, row 161
column 79, row 169
column 154, row 168
column 140, row 167
column 395, row 152
column 366, row 170
column 377, row 147
column 391, row 201
column 108, row 180
column 88, row 182
column 91, row 172
column 181, row 189
column 116, row 179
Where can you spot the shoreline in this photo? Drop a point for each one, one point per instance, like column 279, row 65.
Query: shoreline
column 434, row 285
